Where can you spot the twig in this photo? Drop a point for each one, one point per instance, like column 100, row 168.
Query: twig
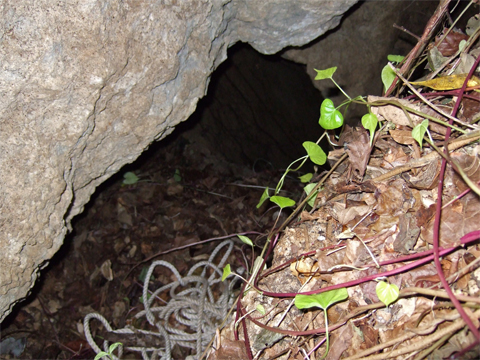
column 457, row 325
column 438, row 213
column 185, row 247
column 320, row 183
column 456, row 144
column 407, row 31
column 429, row 103
column 427, row 33
column 438, row 293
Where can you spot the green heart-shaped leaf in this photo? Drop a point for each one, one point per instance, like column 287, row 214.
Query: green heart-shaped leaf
column 420, row 130
column 325, row 74
column 226, row 271
column 245, row 240
column 306, row 178
column 387, row 293
column 130, row 178
column 282, row 201
column 388, row 75
column 315, row 152
column 395, row 58
column 264, row 197
column 322, row 300
column 261, row 309
column 370, row 122
column 330, row 117
column 308, row 189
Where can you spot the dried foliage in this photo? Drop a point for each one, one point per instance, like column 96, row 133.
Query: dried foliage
column 379, row 215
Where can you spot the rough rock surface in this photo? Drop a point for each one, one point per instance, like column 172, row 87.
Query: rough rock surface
column 87, row 85
column 260, row 109
column 360, row 45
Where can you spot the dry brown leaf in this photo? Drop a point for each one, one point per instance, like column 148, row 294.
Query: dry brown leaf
column 345, row 215
column 357, row 146
column 455, row 224
column 471, row 167
column 303, row 269
column 340, row 341
column 229, row 350
column 397, row 116
column 210, row 182
column 370, row 336
column 424, row 215
column 342, row 187
column 393, row 113
column 306, row 216
column 403, row 137
column 395, row 157
column 389, row 202
column 449, row 45
column 470, row 108
column 455, row 344
column 327, row 262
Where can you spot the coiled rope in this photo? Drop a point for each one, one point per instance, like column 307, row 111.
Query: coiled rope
column 192, row 304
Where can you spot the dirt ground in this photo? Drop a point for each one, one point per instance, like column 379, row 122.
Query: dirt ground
column 126, row 224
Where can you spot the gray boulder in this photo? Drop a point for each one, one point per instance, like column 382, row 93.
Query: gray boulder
column 87, row 85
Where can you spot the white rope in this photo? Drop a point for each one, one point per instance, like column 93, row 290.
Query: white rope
column 192, row 304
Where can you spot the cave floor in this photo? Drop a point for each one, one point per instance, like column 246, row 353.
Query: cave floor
column 98, row 268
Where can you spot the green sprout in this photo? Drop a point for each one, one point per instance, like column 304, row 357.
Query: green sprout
column 324, row 301
column 108, row 354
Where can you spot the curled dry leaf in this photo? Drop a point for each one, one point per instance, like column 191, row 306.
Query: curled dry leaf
column 450, row 82
column 357, row 146
column 449, row 45
column 229, row 350
column 396, row 115
column 403, row 137
column 346, row 214
column 456, row 221
column 470, row 110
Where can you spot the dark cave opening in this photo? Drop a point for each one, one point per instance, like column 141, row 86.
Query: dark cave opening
column 258, row 110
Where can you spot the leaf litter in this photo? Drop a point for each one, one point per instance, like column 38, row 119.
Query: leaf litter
column 384, row 198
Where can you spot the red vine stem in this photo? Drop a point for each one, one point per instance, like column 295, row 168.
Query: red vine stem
column 438, row 213
column 425, row 256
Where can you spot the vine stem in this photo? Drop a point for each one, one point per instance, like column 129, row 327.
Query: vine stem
column 438, row 213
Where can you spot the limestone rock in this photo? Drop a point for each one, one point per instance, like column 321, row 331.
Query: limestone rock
column 360, row 45
column 87, row 85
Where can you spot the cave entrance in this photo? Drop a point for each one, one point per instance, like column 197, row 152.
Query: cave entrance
column 201, row 182
column 258, row 110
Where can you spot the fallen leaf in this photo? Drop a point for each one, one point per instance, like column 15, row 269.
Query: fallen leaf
column 449, row 45
column 340, row 341
column 470, row 108
column 454, row 225
column 403, row 137
column 407, row 235
column 357, row 146
column 230, row 350
column 450, row 82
